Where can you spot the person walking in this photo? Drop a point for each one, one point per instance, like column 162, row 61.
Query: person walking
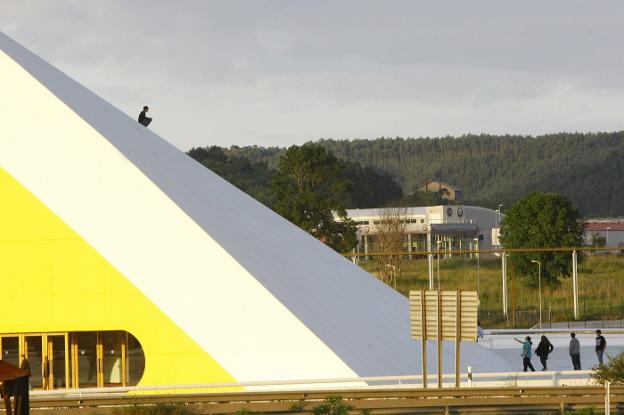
column 544, row 348
column 25, row 365
column 575, row 351
column 601, row 345
column 144, row 120
column 526, row 353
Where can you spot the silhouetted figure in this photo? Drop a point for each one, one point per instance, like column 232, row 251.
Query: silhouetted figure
column 544, row 348
column 25, row 365
column 144, row 119
column 575, row 351
column 14, row 382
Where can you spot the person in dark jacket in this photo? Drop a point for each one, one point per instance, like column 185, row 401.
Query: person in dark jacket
column 544, row 348
column 143, row 118
column 601, row 345
column 575, row 351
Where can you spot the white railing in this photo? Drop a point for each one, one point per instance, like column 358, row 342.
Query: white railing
column 496, row 379
column 577, row 330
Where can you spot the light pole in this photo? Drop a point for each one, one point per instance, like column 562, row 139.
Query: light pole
column 607, row 241
column 539, row 288
column 478, row 270
column 438, row 243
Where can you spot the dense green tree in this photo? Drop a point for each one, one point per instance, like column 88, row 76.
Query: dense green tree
column 214, row 153
column 333, row 405
column 542, row 220
column 309, row 186
column 612, row 372
column 253, row 178
column 370, row 188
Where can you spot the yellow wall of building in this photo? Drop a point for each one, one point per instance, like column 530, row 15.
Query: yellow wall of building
column 52, row 280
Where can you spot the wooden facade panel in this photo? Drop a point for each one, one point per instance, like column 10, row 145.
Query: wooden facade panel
column 449, row 314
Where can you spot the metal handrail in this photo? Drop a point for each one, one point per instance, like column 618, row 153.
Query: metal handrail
column 346, row 383
column 565, row 330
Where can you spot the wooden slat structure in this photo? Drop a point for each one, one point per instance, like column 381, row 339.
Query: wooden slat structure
column 469, row 307
column 443, row 315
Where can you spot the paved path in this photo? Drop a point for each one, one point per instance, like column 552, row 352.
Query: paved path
column 559, row 359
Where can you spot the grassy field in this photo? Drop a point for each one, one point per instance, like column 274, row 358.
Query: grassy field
column 601, row 289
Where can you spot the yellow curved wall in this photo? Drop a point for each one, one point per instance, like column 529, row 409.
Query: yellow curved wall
column 52, row 280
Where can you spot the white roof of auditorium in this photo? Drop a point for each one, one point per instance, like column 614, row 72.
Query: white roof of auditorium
column 357, row 323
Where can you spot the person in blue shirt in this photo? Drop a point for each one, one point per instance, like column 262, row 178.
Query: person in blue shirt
column 526, row 353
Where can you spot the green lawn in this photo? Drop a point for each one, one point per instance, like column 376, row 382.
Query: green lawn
column 601, row 289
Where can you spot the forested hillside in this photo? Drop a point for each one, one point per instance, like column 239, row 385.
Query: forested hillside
column 249, row 170
column 586, row 168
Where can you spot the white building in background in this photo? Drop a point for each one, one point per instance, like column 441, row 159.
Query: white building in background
column 449, row 227
column 612, row 230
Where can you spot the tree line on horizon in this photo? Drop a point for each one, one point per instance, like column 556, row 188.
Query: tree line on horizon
column 489, row 169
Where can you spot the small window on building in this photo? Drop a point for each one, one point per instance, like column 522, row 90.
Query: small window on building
column 480, row 236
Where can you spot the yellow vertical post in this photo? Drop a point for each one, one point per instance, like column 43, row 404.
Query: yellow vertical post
column 74, row 360
column 123, row 339
column 67, row 362
column 99, row 349
column 607, row 410
column 45, row 362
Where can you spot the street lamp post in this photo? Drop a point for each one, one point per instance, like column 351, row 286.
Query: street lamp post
column 438, row 243
column 478, row 270
column 607, row 240
column 539, row 288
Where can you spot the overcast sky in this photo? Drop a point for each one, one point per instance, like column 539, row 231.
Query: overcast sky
column 285, row 72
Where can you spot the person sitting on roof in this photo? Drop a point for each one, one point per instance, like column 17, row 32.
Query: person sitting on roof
column 144, row 119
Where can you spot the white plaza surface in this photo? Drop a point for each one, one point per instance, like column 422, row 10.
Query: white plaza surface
column 506, row 347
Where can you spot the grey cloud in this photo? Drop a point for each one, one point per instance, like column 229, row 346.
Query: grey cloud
column 278, row 72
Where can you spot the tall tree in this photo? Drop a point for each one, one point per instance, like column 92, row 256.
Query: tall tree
column 309, row 187
column 370, row 188
column 542, row 220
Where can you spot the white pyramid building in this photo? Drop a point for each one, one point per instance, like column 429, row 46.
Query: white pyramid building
column 106, row 227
